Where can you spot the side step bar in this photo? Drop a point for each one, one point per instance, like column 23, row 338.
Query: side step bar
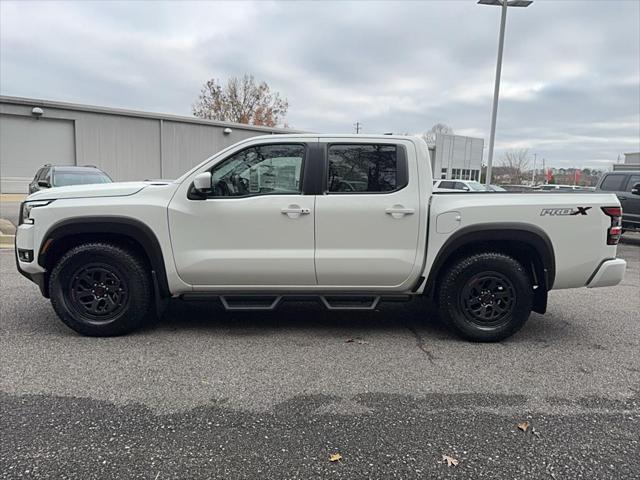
column 250, row 303
column 271, row 302
column 339, row 302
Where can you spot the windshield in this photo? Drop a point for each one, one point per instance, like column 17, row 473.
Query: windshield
column 68, row 177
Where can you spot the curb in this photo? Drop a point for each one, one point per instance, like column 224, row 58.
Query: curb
column 12, row 197
column 7, row 241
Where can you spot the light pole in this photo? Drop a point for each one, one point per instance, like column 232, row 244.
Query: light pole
column 504, row 4
column 533, row 175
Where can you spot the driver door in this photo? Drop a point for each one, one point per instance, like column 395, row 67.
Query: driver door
column 254, row 228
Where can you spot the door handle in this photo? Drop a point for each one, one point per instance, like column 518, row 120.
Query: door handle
column 294, row 211
column 398, row 211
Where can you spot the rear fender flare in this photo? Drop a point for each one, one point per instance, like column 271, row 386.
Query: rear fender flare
column 494, row 233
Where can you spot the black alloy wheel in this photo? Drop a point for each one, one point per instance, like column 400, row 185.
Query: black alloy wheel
column 102, row 289
column 98, row 291
column 487, row 299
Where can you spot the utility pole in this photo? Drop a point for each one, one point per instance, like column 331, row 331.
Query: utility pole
column 503, row 4
column 544, row 172
column 357, row 126
column 533, row 175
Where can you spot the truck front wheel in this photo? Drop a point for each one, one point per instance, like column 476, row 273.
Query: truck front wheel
column 100, row 290
column 485, row 297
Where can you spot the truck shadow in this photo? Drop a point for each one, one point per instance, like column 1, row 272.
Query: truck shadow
column 210, row 315
column 416, row 316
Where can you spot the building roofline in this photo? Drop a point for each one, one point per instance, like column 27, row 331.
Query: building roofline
column 36, row 102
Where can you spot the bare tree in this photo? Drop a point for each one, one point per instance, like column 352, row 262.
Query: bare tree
column 241, row 100
column 430, row 136
column 516, row 162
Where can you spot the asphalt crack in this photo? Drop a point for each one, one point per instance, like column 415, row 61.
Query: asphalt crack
column 421, row 345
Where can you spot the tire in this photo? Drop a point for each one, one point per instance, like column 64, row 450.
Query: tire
column 485, row 297
column 101, row 290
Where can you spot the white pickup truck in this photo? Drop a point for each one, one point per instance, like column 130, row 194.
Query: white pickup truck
column 349, row 220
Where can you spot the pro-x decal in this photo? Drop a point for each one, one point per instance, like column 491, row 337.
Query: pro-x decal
column 564, row 211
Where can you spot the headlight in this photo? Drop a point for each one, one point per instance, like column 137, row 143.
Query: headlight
column 25, row 211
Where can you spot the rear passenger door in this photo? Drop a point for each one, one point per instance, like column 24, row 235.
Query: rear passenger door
column 367, row 218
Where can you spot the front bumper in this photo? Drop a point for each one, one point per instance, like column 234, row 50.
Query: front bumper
column 608, row 274
column 39, row 278
column 30, row 269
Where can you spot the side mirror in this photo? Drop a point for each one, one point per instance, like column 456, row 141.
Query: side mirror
column 636, row 189
column 202, row 182
column 44, row 184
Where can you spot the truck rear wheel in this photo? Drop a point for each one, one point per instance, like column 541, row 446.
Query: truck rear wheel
column 100, row 290
column 485, row 297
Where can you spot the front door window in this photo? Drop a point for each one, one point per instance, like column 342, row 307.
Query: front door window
column 261, row 170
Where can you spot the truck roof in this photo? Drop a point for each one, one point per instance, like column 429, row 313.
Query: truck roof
column 375, row 136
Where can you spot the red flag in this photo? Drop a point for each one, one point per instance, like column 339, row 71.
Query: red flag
column 549, row 175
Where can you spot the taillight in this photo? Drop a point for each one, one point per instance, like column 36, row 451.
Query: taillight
column 614, row 232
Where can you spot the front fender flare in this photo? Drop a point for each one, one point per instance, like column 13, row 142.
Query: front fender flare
column 130, row 228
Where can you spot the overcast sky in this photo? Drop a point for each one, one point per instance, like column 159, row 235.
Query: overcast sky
column 570, row 88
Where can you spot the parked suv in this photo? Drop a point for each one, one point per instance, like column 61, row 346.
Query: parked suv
column 622, row 184
column 62, row 176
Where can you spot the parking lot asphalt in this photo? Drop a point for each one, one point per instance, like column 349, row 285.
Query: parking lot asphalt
column 211, row 394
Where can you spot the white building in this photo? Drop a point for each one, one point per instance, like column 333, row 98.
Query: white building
column 631, row 163
column 457, row 157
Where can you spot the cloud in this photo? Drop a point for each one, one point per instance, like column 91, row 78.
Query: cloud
column 571, row 77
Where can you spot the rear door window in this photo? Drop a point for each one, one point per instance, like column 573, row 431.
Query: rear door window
column 366, row 168
column 632, row 181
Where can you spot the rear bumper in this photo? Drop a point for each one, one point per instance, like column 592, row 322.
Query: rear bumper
column 609, row 273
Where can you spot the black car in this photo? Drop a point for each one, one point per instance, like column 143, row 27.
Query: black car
column 626, row 185
column 61, row 176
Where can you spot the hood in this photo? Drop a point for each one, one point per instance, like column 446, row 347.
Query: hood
column 116, row 189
